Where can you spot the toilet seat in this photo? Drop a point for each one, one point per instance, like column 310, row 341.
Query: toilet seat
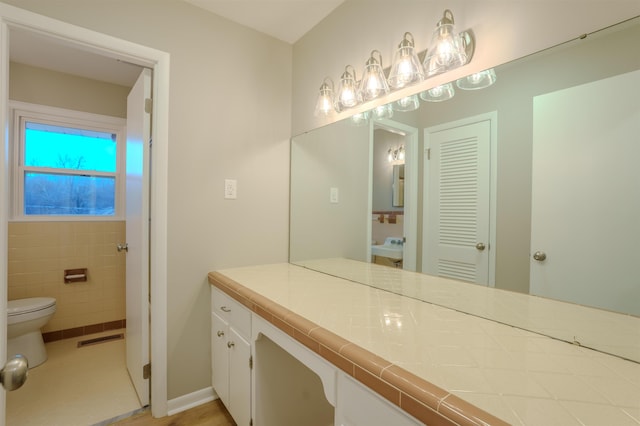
column 25, row 306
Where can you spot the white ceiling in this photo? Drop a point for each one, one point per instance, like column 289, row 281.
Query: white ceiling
column 286, row 20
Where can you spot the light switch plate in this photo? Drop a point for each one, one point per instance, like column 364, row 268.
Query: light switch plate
column 230, row 189
column 333, row 195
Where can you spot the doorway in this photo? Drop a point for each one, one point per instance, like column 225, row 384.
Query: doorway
column 114, row 49
column 459, row 199
column 394, row 188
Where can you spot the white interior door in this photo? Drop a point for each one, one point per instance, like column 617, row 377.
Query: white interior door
column 585, row 162
column 137, row 229
column 456, row 224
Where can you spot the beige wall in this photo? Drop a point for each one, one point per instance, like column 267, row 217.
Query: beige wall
column 504, row 30
column 331, row 157
column 39, row 252
column 217, row 129
column 51, row 88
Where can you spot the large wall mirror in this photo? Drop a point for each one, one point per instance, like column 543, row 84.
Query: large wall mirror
column 545, row 200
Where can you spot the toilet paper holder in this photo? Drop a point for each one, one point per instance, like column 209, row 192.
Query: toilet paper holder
column 75, row 275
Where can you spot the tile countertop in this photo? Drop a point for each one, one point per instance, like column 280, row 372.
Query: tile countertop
column 517, row 376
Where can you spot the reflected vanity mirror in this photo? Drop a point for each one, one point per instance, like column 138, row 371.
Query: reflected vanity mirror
column 531, row 185
column 397, row 186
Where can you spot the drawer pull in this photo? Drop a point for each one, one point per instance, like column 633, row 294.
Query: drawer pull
column 230, row 344
column 225, row 309
column 220, row 333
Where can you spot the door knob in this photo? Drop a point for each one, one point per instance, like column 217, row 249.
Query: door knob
column 480, row 246
column 14, row 373
column 123, row 247
column 539, row 256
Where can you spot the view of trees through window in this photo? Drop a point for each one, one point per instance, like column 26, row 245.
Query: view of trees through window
column 68, row 171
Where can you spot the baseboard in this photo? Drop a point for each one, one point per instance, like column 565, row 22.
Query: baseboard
column 52, row 336
column 191, row 400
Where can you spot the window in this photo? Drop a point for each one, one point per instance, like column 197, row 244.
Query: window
column 67, row 164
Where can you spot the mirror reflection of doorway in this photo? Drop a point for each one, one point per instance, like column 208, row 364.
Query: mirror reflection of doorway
column 393, row 228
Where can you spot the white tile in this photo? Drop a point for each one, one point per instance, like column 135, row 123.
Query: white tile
column 510, row 382
column 543, row 412
column 568, row 387
column 598, row 415
column 75, row 386
column 617, row 390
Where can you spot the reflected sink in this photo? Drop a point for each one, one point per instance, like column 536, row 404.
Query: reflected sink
column 392, row 248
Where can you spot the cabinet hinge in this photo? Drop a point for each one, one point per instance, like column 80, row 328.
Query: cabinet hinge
column 146, row 371
column 251, row 422
column 251, row 362
column 428, row 151
column 148, row 105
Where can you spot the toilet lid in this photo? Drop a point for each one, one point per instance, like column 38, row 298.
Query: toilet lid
column 32, row 304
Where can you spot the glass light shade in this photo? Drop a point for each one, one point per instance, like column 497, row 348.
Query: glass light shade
column 348, row 89
column 361, row 118
column 396, row 155
column 324, row 104
column 447, row 49
column 439, row 93
column 476, row 81
column 408, row 103
column 373, row 84
column 406, row 69
column 383, row 111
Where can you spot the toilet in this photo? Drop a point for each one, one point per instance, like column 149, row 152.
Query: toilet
column 25, row 318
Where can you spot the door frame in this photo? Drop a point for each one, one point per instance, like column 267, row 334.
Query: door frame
column 102, row 44
column 492, row 117
column 410, row 256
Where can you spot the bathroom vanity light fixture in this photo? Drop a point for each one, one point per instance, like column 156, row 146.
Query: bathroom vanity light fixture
column 374, row 83
column 348, row 93
column 440, row 93
column 479, row 80
column 382, row 111
column 361, row 118
column 396, row 155
column 406, row 68
column 325, row 103
column 408, row 103
column 448, row 50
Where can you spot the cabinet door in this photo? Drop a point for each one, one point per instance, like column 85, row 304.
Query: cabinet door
column 239, row 378
column 220, row 357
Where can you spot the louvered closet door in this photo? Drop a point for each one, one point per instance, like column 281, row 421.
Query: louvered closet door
column 457, row 160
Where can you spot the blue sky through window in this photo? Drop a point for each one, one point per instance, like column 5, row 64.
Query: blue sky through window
column 64, row 147
column 61, row 192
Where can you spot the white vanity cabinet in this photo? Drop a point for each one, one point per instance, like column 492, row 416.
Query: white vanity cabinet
column 231, row 355
column 359, row 406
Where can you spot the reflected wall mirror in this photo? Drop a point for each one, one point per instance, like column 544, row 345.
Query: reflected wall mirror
column 561, row 185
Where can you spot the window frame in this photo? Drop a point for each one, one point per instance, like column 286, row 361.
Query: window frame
column 22, row 112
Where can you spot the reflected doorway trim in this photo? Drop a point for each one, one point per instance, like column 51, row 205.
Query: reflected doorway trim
column 410, row 251
column 13, row 17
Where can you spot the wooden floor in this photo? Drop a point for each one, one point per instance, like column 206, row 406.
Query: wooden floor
column 210, row 414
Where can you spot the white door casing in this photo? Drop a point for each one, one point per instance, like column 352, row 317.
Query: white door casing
column 4, row 199
column 458, row 224
column 137, row 232
column 585, row 160
column 116, row 48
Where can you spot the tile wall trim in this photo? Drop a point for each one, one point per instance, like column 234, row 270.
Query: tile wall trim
column 423, row 400
column 69, row 333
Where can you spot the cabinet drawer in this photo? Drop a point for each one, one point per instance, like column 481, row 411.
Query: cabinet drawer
column 237, row 315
